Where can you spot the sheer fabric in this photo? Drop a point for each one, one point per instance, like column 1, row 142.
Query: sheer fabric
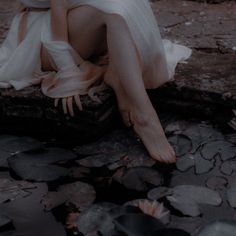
column 20, row 65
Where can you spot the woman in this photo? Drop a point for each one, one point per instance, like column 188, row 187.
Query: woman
column 58, row 38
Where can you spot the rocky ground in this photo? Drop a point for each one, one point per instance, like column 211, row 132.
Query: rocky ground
column 111, row 187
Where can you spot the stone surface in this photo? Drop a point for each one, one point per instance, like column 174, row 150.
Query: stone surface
column 204, row 85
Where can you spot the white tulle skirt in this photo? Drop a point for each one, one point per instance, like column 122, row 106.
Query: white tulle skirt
column 20, row 65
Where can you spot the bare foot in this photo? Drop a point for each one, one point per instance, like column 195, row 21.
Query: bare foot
column 148, row 128
column 153, row 137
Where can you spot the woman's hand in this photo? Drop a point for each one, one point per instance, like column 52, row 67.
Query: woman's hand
column 67, row 104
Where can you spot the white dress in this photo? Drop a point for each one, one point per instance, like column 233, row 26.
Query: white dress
column 20, row 65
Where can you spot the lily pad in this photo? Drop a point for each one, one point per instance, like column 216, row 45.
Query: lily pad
column 79, row 194
column 100, row 160
column 181, row 144
column 200, row 134
column 137, row 156
column 29, row 217
column 231, row 194
column 159, row 192
column 170, row 232
column 225, row 149
column 187, row 198
column 97, row 219
column 219, row 228
column 141, row 178
column 4, row 220
column 40, row 166
column 3, row 158
column 185, row 163
column 195, row 160
column 202, row 165
column 137, row 224
column 13, row 144
column 217, row 183
column 228, row 167
column 151, row 208
column 11, row 189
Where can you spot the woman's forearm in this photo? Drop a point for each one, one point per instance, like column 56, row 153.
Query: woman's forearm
column 59, row 20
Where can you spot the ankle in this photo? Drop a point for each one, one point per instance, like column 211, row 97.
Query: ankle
column 141, row 119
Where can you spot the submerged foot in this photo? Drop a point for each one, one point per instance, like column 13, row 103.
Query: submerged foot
column 153, row 137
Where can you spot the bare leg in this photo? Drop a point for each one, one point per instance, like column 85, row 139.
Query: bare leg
column 133, row 100
column 125, row 63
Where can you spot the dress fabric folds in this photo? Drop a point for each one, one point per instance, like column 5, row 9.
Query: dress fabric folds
column 20, row 64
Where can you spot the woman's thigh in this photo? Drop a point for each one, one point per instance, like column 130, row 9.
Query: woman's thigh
column 87, row 34
column 87, row 30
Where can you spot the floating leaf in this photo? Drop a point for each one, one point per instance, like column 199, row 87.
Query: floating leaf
column 152, row 208
column 216, row 183
column 11, row 189
column 137, row 156
column 100, row 160
column 186, row 162
column 202, row 165
column 170, row 232
column 96, row 219
column 159, row 192
column 186, row 198
column 14, row 144
column 228, row 167
column 195, row 160
column 80, row 194
column 29, row 217
column 3, row 158
column 4, row 220
column 140, row 178
column 219, row 228
column 40, row 166
column 231, row 194
column 225, row 149
column 189, row 224
column 200, row 134
column 137, row 224
column 181, row 143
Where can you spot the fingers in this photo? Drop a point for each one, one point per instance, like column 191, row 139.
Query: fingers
column 67, row 104
column 70, row 106
column 64, row 105
column 78, row 102
column 56, row 101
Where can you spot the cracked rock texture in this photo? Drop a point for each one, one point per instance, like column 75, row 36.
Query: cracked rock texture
column 207, row 82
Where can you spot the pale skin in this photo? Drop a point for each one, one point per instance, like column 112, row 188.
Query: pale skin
column 133, row 102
